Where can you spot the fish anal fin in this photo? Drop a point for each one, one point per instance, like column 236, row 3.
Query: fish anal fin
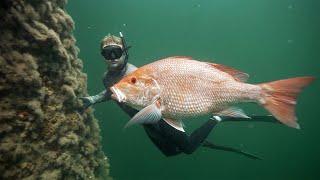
column 177, row 124
column 236, row 74
column 232, row 112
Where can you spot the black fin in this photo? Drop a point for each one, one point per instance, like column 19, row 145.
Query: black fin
column 210, row 145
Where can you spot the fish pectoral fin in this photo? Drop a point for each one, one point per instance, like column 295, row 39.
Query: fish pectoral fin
column 232, row 112
column 177, row 124
column 148, row 115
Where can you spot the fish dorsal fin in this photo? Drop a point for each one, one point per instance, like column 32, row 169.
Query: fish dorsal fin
column 236, row 74
column 180, row 57
column 177, row 124
column 232, row 112
column 148, row 115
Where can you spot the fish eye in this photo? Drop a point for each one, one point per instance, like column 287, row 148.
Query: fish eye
column 133, row 80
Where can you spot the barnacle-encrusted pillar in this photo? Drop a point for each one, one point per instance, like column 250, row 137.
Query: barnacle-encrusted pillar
column 42, row 133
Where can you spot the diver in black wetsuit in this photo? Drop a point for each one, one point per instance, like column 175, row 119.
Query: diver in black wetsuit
column 169, row 140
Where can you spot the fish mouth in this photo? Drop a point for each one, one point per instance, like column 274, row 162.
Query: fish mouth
column 117, row 95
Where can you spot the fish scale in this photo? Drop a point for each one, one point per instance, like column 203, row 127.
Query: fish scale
column 191, row 88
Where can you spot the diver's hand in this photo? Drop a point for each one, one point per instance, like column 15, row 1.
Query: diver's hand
column 87, row 102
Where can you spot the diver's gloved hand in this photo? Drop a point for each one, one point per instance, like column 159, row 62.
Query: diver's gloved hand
column 87, row 102
column 90, row 100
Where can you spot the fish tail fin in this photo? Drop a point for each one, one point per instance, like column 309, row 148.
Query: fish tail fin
column 279, row 98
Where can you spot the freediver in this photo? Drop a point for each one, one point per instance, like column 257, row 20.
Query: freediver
column 168, row 140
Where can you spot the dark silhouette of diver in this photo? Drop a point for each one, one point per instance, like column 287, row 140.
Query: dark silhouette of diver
column 169, row 140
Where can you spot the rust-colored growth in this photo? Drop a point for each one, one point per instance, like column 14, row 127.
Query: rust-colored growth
column 23, row 115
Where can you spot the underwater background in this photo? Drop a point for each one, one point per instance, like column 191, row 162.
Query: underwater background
column 268, row 39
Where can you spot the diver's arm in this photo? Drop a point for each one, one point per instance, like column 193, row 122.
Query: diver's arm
column 109, row 79
column 91, row 100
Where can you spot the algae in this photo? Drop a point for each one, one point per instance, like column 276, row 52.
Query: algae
column 42, row 133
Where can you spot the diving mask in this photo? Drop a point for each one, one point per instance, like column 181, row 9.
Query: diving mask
column 112, row 52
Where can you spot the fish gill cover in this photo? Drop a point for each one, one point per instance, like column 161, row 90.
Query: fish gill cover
column 42, row 134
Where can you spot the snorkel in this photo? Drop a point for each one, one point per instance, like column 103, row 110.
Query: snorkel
column 125, row 49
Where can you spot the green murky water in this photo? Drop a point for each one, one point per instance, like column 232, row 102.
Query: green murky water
column 269, row 39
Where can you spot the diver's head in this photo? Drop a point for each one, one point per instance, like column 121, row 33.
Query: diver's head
column 113, row 51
